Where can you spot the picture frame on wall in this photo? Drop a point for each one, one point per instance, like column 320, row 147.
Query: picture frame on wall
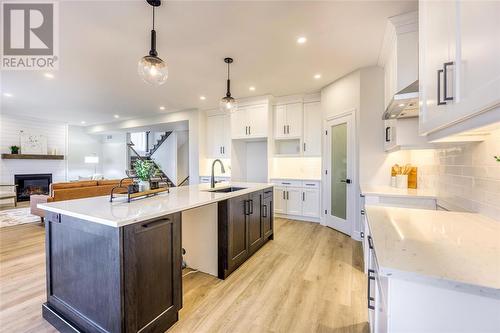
column 33, row 144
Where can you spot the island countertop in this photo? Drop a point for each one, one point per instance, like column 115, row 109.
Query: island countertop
column 120, row 213
column 461, row 250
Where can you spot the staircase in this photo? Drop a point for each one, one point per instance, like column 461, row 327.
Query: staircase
column 159, row 176
column 158, row 143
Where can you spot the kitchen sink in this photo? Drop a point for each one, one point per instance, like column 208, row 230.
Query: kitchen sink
column 227, row 189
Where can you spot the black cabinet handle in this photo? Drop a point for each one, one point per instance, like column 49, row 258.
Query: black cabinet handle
column 264, row 211
column 249, row 130
column 370, row 298
column 287, row 195
column 370, row 242
column 157, row 223
column 445, row 88
column 439, row 72
column 284, row 195
column 285, row 183
column 362, row 234
column 246, row 130
column 362, row 212
column 250, row 203
column 288, row 129
column 284, row 129
column 303, row 196
column 388, row 134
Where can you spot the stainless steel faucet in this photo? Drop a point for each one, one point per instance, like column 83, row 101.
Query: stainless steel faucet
column 212, row 180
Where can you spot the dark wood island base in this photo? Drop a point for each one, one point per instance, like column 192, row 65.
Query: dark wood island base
column 103, row 279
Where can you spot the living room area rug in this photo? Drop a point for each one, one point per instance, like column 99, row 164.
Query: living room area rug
column 16, row 216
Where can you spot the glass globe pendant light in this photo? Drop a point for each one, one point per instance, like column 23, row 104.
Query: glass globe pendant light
column 151, row 68
column 228, row 103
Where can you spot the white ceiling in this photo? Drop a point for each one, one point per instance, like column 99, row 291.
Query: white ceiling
column 102, row 41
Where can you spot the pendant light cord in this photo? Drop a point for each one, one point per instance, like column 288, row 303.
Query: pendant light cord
column 153, row 18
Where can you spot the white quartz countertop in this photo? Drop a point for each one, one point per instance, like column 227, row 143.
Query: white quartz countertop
column 461, row 250
column 389, row 191
column 119, row 212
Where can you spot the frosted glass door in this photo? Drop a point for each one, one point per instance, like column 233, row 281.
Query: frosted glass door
column 339, row 171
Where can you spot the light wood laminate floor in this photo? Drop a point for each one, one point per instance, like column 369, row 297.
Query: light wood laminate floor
column 309, row 279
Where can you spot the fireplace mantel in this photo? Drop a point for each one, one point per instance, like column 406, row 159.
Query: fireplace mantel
column 31, row 157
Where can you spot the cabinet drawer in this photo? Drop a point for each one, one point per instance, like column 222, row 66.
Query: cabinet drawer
column 310, row 184
column 287, row 182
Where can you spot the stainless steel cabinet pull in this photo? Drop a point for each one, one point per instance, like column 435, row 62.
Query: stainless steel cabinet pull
column 370, row 298
column 445, row 88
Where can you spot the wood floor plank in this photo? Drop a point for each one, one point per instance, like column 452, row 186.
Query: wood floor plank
column 308, row 279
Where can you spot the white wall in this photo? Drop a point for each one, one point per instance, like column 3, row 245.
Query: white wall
column 196, row 133
column 182, row 155
column 114, row 155
column 296, row 167
column 56, row 133
column 81, row 144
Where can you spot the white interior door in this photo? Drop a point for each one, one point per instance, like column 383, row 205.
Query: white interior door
column 340, row 200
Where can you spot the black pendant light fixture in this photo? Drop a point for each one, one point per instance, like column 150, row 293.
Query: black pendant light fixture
column 151, row 68
column 228, row 103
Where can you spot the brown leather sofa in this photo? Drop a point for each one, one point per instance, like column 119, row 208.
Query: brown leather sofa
column 73, row 190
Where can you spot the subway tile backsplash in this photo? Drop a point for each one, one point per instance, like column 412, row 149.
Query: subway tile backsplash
column 464, row 175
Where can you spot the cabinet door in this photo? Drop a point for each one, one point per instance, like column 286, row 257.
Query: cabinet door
column 294, row 119
column 237, row 247
column 215, row 136
column 310, row 202
column 267, row 213
column 239, row 124
column 437, row 36
column 480, row 57
column 280, row 200
column 257, row 121
column 225, row 137
column 294, row 201
column 280, row 121
column 255, row 232
column 312, row 129
column 152, row 273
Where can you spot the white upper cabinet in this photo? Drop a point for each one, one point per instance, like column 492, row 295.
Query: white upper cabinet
column 312, row 129
column 249, row 122
column 399, row 55
column 459, row 68
column 288, row 121
column 218, row 140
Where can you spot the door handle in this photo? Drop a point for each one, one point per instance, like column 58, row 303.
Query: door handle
column 347, row 181
column 439, row 72
column 370, row 298
column 445, row 88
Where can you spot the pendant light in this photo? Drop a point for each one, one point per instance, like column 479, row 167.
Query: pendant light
column 228, row 103
column 151, row 68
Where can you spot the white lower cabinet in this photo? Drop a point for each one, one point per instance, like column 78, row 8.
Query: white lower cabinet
column 423, row 305
column 297, row 199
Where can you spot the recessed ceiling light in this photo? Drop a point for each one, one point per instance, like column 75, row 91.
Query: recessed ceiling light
column 203, row 98
column 162, row 108
column 116, row 116
column 401, row 105
column 83, row 122
column 301, row 40
column 317, row 76
column 252, row 88
column 7, row 94
column 48, row 75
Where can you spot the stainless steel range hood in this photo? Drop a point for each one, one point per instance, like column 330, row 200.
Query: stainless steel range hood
column 404, row 104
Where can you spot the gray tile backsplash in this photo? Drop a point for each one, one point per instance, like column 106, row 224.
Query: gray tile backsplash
column 464, row 175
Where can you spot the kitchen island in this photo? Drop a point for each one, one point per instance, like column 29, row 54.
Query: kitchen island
column 117, row 267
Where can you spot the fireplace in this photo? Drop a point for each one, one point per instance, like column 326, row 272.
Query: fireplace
column 32, row 184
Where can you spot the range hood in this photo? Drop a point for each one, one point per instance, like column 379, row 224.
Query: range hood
column 404, row 104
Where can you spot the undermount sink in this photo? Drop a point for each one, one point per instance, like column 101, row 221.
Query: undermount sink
column 227, row 189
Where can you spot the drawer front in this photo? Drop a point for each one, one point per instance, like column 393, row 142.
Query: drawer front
column 287, row 182
column 310, row 184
